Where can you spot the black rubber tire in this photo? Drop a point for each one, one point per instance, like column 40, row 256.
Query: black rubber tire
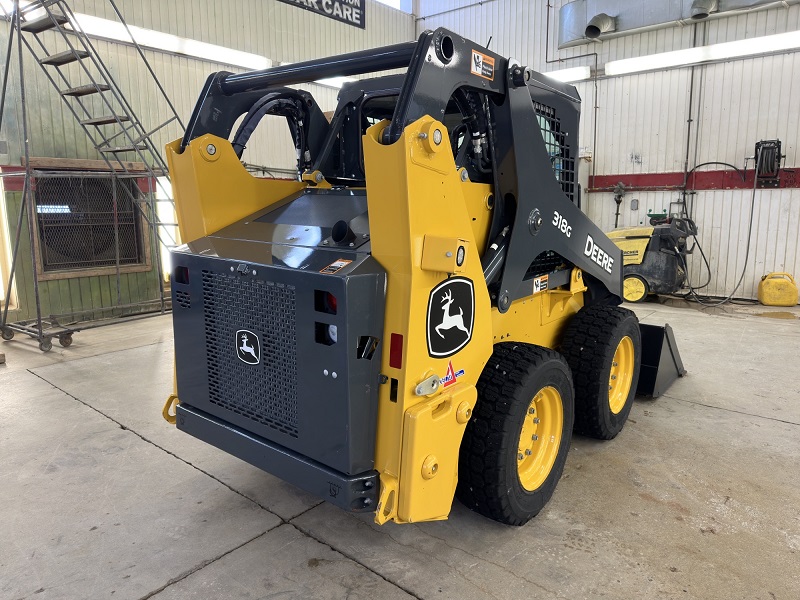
column 46, row 345
column 488, row 480
column 65, row 340
column 589, row 343
column 7, row 334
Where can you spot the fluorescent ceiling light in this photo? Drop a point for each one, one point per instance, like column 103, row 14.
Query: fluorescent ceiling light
column 568, row 75
column 166, row 42
column 8, row 7
column 154, row 40
column 715, row 52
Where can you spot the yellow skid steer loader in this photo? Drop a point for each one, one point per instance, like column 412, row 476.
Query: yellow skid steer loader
column 424, row 312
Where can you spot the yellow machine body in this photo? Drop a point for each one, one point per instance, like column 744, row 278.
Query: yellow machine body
column 777, row 289
column 418, row 437
column 200, row 180
column 442, row 202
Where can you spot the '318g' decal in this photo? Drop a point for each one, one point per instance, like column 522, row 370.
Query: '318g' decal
column 560, row 223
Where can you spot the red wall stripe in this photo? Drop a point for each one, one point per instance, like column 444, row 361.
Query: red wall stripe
column 725, row 179
column 13, row 184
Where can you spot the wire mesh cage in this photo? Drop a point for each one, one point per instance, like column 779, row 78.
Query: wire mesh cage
column 94, row 252
column 88, row 222
column 558, row 149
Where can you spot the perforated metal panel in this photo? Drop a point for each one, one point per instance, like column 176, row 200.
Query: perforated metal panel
column 264, row 392
column 183, row 299
column 546, row 262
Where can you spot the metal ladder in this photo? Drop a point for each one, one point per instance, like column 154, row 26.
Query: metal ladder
column 130, row 136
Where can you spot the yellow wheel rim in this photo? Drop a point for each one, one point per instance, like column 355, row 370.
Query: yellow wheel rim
column 619, row 382
column 540, row 438
column 633, row 289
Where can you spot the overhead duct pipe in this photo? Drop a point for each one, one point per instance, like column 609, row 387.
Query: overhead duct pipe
column 702, row 8
column 598, row 24
column 636, row 16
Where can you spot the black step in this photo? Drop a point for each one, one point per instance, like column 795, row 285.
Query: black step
column 85, row 90
column 44, row 23
column 120, row 149
column 64, row 58
column 107, row 120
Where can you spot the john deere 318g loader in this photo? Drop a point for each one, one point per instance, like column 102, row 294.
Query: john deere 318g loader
column 424, row 311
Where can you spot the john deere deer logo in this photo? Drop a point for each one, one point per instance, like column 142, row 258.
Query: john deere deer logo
column 449, row 321
column 248, row 348
column 451, row 308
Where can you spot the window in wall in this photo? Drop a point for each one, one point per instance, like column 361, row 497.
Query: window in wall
column 404, row 5
column 5, row 249
column 79, row 227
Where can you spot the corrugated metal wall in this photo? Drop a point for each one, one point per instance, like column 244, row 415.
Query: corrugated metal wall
column 642, row 121
column 280, row 32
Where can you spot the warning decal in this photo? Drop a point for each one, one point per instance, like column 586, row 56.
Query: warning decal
column 451, row 376
column 540, row 284
column 336, row 266
column 482, row 65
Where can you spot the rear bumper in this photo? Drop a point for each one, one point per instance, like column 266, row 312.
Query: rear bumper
column 356, row 493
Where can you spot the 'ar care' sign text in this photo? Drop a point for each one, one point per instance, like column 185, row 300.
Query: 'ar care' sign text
column 346, row 11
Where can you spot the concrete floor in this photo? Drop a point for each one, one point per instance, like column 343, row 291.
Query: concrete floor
column 697, row 498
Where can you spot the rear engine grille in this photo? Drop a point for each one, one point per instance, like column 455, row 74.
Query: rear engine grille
column 183, row 299
column 266, row 392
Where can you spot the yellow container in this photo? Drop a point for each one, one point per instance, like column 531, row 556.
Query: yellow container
column 777, row 289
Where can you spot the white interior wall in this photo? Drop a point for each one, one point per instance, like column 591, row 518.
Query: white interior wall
column 642, row 121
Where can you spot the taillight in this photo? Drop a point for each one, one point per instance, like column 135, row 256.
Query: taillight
column 330, row 303
column 396, row 351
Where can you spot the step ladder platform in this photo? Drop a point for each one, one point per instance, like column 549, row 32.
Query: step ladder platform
column 44, row 23
column 64, row 58
column 121, row 149
column 106, row 120
column 85, row 90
